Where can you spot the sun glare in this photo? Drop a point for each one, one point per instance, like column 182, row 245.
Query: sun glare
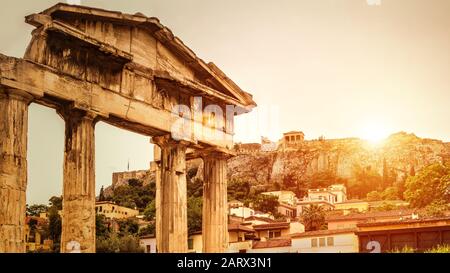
column 374, row 133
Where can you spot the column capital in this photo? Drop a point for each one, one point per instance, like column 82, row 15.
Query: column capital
column 215, row 153
column 17, row 94
column 69, row 112
column 167, row 141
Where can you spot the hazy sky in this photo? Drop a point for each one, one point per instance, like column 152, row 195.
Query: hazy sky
column 336, row 68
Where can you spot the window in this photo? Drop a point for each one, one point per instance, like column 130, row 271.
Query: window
column 314, row 242
column 149, row 248
column 321, row 242
column 274, row 233
column 330, row 241
column 190, row 243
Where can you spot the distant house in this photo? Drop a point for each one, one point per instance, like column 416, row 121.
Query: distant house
column 235, row 204
column 323, row 197
column 34, row 234
column 352, row 206
column 114, row 211
column 240, row 237
column 148, row 243
column 287, row 210
column 286, row 197
column 242, row 211
column 325, row 241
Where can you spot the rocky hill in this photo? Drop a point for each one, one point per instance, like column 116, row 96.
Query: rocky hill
column 338, row 159
column 399, row 154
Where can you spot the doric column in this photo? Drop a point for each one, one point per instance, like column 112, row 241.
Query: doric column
column 171, row 227
column 78, row 215
column 155, row 166
column 215, row 208
column 13, row 169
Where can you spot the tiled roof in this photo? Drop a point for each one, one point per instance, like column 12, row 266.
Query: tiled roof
column 352, row 202
column 368, row 215
column 408, row 221
column 239, row 227
column 271, row 226
column 272, row 243
column 323, row 232
column 264, row 219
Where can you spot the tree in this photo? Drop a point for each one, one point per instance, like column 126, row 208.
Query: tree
column 54, row 227
column 101, row 226
column 373, row 196
column 195, row 187
column 322, row 179
column 128, row 226
column 148, row 230
column 150, row 211
column 437, row 209
column 116, row 244
column 238, row 190
column 390, row 193
column 101, row 196
column 133, row 182
column 313, row 218
column 364, row 180
column 430, row 185
column 36, row 210
column 134, row 195
column 56, row 201
column 194, row 213
column 266, row 203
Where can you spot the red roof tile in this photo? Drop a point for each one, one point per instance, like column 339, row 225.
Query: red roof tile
column 323, row 232
column 272, row 243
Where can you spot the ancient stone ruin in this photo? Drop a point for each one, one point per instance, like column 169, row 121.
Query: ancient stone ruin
column 130, row 71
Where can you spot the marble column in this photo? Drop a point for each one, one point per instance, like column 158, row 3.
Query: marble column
column 78, row 215
column 171, row 228
column 155, row 166
column 13, row 169
column 215, row 208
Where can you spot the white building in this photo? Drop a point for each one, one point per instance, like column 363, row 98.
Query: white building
column 325, row 241
column 242, row 211
column 148, row 243
column 324, row 197
column 286, row 197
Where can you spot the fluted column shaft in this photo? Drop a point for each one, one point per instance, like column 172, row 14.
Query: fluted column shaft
column 215, row 218
column 13, row 169
column 171, row 228
column 78, row 216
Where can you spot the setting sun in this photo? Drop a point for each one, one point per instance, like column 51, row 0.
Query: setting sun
column 374, row 132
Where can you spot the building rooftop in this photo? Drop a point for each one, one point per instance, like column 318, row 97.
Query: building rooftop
column 323, row 232
column 294, row 133
column 411, row 223
column 271, row 226
column 368, row 215
column 282, row 242
column 239, row 227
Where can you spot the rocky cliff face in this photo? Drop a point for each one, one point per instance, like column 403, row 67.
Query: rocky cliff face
column 400, row 152
column 339, row 157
